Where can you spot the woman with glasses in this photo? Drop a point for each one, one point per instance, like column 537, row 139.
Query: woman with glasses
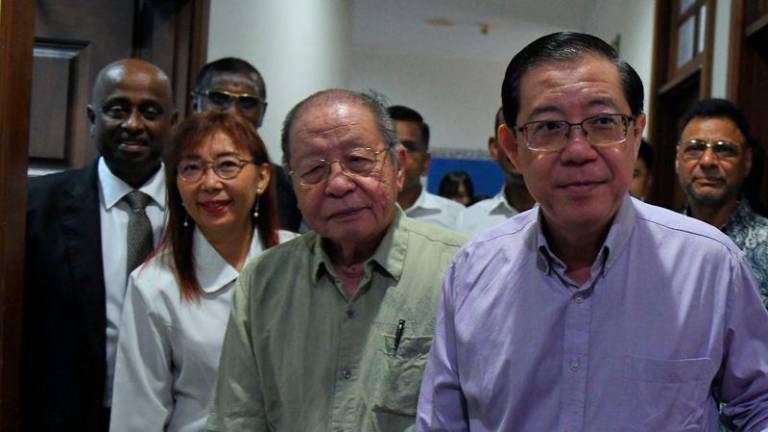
column 221, row 213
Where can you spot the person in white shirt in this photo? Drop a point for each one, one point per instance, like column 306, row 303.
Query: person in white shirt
column 512, row 199
column 413, row 134
column 221, row 213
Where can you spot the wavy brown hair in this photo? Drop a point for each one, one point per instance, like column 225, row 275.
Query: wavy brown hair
column 191, row 133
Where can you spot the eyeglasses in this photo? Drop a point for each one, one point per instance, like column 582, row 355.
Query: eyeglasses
column 359, row 162
column 223, row 99
column 694, row 149
column 225, row 167
column 552, row 135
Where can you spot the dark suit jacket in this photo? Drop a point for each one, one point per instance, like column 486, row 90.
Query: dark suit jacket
column 64, row 349
column 288, row 212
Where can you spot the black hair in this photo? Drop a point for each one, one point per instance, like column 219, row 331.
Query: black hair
column 646, row 154
column 404, row 113
column 564, row 47
column 229, row 65
column 449, row 185
column 720, row 108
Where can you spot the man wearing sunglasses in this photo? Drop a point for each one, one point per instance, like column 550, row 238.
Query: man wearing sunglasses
column 714, row 157
column 233, row 85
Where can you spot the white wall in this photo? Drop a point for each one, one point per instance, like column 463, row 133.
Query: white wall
column 300, row 47
column 458, row 98
column 633, row 20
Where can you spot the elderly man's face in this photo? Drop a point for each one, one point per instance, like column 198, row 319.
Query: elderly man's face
column 580, row 186
column 712, row 179
column 344, row 208
column 131, row 116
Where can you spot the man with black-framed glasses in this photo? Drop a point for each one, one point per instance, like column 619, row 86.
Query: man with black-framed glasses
column 593, row 311
column 714, row 158
column 235, row 86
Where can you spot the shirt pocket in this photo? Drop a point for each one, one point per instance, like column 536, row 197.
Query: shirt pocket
column 398, row 377
column 666, row 395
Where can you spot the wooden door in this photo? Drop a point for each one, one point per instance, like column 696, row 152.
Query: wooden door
column 74, row 39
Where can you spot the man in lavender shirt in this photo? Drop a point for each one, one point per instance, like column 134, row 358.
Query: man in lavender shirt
column 593, row 311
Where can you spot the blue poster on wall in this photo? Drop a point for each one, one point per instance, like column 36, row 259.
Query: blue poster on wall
column 486, row 175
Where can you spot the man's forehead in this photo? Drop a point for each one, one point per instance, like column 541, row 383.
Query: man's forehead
column 590, row 82
column 335, row 123
column 150, row 84
column 241, row 80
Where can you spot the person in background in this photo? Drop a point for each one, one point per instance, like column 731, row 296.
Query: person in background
column 642, row 175
column 714, row 157
column 221, row 213
column 331, row 330
column 233, row 85
column 512, row 199
column 87, row 229
column 594, row 311
column 457, row 186
column 413, row 134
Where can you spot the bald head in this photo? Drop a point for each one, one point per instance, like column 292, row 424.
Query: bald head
column 131, row 114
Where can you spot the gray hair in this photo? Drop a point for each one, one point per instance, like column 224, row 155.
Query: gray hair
column 370, row 101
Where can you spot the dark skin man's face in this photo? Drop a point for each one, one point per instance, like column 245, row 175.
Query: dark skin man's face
column 131, row 114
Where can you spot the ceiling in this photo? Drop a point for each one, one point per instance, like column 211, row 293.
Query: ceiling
column 398, row 26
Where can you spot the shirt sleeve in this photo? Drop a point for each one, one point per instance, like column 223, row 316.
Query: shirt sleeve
column 142, row 394
column 238, row 404
column 744, row 373
column 442, row 406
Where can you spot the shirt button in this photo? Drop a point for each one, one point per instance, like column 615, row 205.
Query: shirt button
column 578, row 298
column 346, row 373
column 350, row 313
column 574, row 365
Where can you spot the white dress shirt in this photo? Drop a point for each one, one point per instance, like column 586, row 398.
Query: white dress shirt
column 435, row 209
column 485, row 214
column 113, row 216
column 168, row 355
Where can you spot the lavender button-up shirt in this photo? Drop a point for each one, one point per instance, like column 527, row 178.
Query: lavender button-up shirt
column 668, row 326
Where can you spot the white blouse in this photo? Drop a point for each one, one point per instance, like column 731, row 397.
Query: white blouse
column 168, row 350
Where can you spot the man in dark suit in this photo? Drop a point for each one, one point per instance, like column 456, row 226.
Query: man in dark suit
column 233, row 85
column 79, row 249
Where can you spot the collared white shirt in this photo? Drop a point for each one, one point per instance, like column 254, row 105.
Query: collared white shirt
column 168, row 355
column 485, row 214
column 435, row 209
column 113, row 215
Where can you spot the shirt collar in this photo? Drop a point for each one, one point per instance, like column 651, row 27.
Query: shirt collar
column 742, row 214
column 425, row 201
column 212, row 271
column 618, row 234
column 389, row 255
column 113, row 189
column 501, row 205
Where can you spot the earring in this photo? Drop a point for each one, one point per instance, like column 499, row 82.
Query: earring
column 186, row 220
column 256, row 210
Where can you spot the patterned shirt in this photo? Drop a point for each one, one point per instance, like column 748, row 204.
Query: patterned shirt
column 301, row 355
column 750, row 232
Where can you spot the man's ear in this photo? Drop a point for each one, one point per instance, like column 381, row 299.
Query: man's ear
column 748, row 161
column 508, row 140
column 90, row 112
column 400, row 155
column 427, row 162
column 174, row 117
column 493, row 148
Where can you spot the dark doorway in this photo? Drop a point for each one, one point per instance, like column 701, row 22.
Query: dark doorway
column 74, row 39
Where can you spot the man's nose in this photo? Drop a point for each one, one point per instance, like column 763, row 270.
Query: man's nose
column 339, row 182
column 708, row 158
column 577, row 148
column 134, row 121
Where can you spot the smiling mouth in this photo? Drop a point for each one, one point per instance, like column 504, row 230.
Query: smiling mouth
column 346, row 213
column 580, row 187
column 214, row 207
column 133, row 145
